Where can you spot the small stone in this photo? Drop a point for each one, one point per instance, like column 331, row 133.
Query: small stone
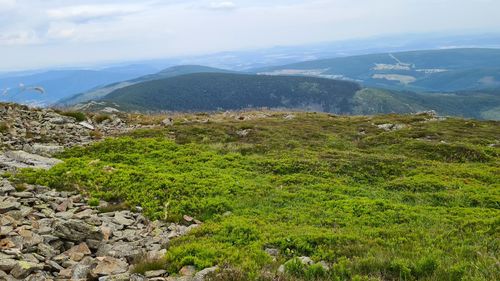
column 84, row 214
column 77, row 252
column 23, row 194
column 168, row 121
column 272, row 252
column 110, row 266
column 7, row 243
column 6, row 187
column 87, row 125
column 75, row 230
column 22, row 269
column 137, row 277
column 46, row 250
column 188, row 270
column 122, row 220
column 7, row 264
column 6, row 206
column 187, row 218
column 63, row 206
column 200, row 276
column 306, row 260
column 107, row 232
column 155, row 273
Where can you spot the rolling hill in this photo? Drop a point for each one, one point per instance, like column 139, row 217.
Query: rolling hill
column 225, row 91
column 100, row 92
column 422, row 71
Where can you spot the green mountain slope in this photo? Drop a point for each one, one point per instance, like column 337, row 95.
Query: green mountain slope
column 214, row 91
column 433, row 70
column 481, row 104
column 418, row 203
column 100, row 92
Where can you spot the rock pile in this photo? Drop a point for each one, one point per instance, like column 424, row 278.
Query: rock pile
column 30, row 136
column 44, row 131
column 50, row 235
column 23, row 127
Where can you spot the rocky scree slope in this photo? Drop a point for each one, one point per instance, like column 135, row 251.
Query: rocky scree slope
column 28, row 136
column 51, row 235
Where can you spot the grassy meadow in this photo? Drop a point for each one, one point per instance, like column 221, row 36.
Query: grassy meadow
column 418, row 203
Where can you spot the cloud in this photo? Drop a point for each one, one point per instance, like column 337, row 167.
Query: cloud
column 86, row 13
column 225, row 5
column 52, row 32
column 6, row 5
column 19, row 38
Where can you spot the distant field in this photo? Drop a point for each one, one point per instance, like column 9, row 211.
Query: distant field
column 420, row 202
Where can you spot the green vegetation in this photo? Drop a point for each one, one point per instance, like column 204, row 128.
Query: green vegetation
column 79, row 116
column 218, row 91
column 419, row 203
column 100, row 92
column 472, row 104
column 223, row 91
column 99, row 118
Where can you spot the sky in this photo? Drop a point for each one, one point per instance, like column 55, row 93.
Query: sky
column 44, row 33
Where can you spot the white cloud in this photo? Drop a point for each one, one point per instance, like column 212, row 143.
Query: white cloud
column 19, row 38
column 225, row 5
column 66, row 31
column 82, row 13
column 6, row 5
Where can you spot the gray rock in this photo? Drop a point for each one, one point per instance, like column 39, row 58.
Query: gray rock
column 44, row 150
column 137, row 277
column 76, row 230
column 23, row 268
column 6, row 187
column 87, row 125
column 187, row 270
column 109, row 266
column 9, row 205
column 306, row 260
column 117, row 277
column 168, row 121
column 201, row 275
column 22, row 159
column 121, row 219
column 272, row 252
column 7, row 264
column 155, row 273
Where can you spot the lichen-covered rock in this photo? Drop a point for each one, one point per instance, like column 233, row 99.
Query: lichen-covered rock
column 77, row 230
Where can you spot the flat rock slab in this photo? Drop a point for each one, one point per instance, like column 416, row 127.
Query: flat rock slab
column 20, row 159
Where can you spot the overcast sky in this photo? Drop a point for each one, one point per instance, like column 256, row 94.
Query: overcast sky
column 39, row 33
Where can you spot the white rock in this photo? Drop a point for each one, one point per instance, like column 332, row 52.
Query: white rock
column 87, row 125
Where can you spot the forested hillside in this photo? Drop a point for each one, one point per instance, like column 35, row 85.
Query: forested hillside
column 217, row 91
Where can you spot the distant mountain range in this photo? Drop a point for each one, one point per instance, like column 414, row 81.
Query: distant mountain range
column 461, row 82
column 59, row 84
column 421, row 71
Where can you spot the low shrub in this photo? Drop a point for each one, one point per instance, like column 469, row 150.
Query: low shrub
column 79, row 116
